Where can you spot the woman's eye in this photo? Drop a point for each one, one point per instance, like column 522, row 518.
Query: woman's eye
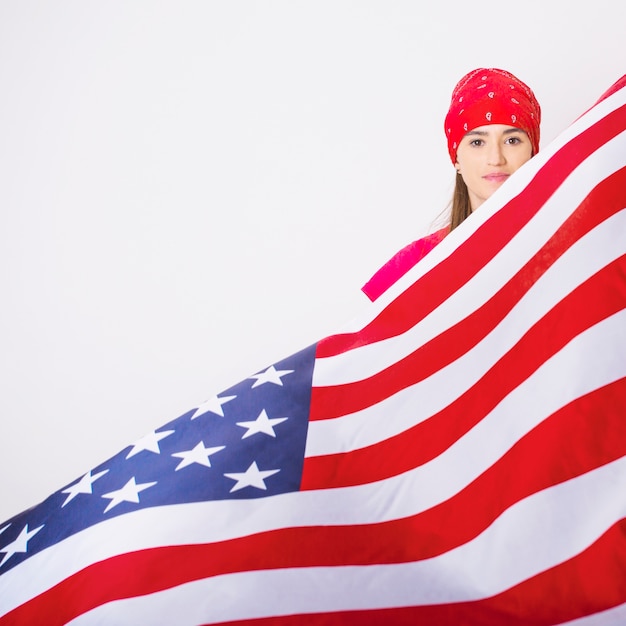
column 476, row 142
column 514, row 140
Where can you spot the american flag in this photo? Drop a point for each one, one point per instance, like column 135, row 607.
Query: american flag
column 455, row 455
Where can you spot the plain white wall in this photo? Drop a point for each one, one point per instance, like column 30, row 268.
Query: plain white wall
column 192, row 190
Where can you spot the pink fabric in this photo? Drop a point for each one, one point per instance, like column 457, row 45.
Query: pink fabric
column 401, row 263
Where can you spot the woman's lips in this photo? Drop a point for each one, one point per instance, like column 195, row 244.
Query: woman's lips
column 496, row 178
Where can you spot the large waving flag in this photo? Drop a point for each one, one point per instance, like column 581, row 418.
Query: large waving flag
column 456, row 455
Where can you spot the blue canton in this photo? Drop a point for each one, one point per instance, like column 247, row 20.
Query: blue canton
column 247, row 442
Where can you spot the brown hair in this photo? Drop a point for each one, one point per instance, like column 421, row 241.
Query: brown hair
column 460, row 207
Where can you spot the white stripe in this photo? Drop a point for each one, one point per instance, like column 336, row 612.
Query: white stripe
column 514, row 185
column 425, row 486
column 365, row 361
column 586, row 120
column 536, row 534
column 591, row 253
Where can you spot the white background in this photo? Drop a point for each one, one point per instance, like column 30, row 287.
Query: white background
column 190, row 191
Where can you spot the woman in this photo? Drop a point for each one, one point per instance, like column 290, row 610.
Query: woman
column 492, row 128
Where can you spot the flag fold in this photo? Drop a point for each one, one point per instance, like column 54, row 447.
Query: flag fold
column 456, row 454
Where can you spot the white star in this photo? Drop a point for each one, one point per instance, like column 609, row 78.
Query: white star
column 262, row 424
column 150, row 442
column 270, row 375
column 252, row 477
column 82, row 486
column 199, row 455
column 213, row 405
column 20, row 544
column 128, row 493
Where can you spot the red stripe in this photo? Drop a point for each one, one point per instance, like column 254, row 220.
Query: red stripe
column 591, row 429
column 606, row 199
column 449, row 275
column 594, row 300
column 589, row 583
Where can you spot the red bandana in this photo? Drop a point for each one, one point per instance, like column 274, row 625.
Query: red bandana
column 491, row 96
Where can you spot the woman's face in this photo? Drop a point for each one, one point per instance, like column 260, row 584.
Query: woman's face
column 488, row 155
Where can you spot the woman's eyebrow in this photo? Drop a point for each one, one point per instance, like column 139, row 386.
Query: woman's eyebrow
column 482, row 133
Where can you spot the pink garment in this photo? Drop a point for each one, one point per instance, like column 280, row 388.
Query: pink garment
column 401, row 263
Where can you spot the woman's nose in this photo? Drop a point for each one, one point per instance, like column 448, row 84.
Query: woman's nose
column 496, row 155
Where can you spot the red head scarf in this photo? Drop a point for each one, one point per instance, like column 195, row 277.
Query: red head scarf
column 491, row 96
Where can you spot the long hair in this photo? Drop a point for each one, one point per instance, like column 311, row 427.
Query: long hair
column 460, row 208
